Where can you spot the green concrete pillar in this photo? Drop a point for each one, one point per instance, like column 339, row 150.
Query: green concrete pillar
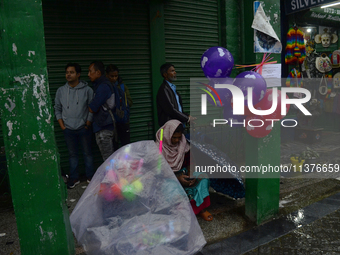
column 157, row 43
column 38, row 192
column 262, row 190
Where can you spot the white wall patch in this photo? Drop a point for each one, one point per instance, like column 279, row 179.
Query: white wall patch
column 10, row 127
column 15, row 49
column 31, row 52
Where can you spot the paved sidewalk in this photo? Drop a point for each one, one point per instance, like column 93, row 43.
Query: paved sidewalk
column 298, row 195
column 314, row 229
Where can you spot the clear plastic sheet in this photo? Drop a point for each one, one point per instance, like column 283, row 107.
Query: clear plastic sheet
column 135, row 205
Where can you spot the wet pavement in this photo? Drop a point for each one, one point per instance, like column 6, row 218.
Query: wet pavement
column 308, row 220
column 314, row 229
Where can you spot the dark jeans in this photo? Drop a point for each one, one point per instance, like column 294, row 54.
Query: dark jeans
column 73, row 139
column 105, row 142
column 123, row 132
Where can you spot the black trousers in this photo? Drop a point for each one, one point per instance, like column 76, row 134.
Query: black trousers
column 123, row 132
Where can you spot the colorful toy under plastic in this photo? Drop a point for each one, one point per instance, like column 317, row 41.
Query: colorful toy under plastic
column 146, row 220
column 217, row 62
column 106, row 192
column 250, row 79
column 123, row 182
column 129, row 192
column 116, row 191
column 137, row 185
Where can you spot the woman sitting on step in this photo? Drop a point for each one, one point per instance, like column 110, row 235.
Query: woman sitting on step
column 176, row 151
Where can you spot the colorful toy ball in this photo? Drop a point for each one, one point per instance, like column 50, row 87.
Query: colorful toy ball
column 217, row 62
column 106, row 192
column 110, row 192
column 138, row 186
column 116, row 191
column 128, row 193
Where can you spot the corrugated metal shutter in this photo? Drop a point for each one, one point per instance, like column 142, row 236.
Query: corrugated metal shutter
column 114, row 32
column 191, row 27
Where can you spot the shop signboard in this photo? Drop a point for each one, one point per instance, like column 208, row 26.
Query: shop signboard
column 300, row 5
column 330, row 14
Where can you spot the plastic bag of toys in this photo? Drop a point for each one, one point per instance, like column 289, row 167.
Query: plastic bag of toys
column 135, row 205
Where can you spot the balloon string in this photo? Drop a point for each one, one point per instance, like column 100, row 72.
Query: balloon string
column 258, row 67
column 264, row 60
column 243, row 66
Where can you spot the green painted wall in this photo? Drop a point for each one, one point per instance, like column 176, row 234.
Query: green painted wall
column 157, row 44
column 38, row 192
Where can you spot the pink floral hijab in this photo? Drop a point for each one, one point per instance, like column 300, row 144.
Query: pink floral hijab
column 174, row 154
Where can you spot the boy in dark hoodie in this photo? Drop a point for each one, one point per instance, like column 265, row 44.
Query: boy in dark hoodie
column 123, row 126
column 71, row 111
column 103, row 123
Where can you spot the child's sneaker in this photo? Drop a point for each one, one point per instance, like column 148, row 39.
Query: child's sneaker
column 89, row 180
column 72, row 183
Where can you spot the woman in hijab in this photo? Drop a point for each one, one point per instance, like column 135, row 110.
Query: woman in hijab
column 176, row 151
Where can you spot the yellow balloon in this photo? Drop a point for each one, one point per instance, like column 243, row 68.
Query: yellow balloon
column 138, row 186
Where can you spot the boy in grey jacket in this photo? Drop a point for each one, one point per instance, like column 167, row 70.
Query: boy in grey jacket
column 71, row 111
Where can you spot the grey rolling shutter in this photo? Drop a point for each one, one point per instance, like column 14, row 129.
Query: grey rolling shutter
column 191, row 27
column 115, row 32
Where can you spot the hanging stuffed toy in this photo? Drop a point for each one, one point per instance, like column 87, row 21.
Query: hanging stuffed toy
column 308, row 66
column 326, row 39
column 295, row 49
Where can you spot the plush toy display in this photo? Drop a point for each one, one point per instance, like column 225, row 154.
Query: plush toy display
column 326, row 39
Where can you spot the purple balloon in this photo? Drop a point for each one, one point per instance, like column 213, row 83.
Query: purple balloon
column 214, row 98
column 228, row 114
column 252, row 79
column 224, row 94
column 217, row 62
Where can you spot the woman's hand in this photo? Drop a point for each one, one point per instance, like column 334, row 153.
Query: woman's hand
column 185, row 183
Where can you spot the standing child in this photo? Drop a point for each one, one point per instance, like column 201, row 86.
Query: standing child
column 123, row 104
